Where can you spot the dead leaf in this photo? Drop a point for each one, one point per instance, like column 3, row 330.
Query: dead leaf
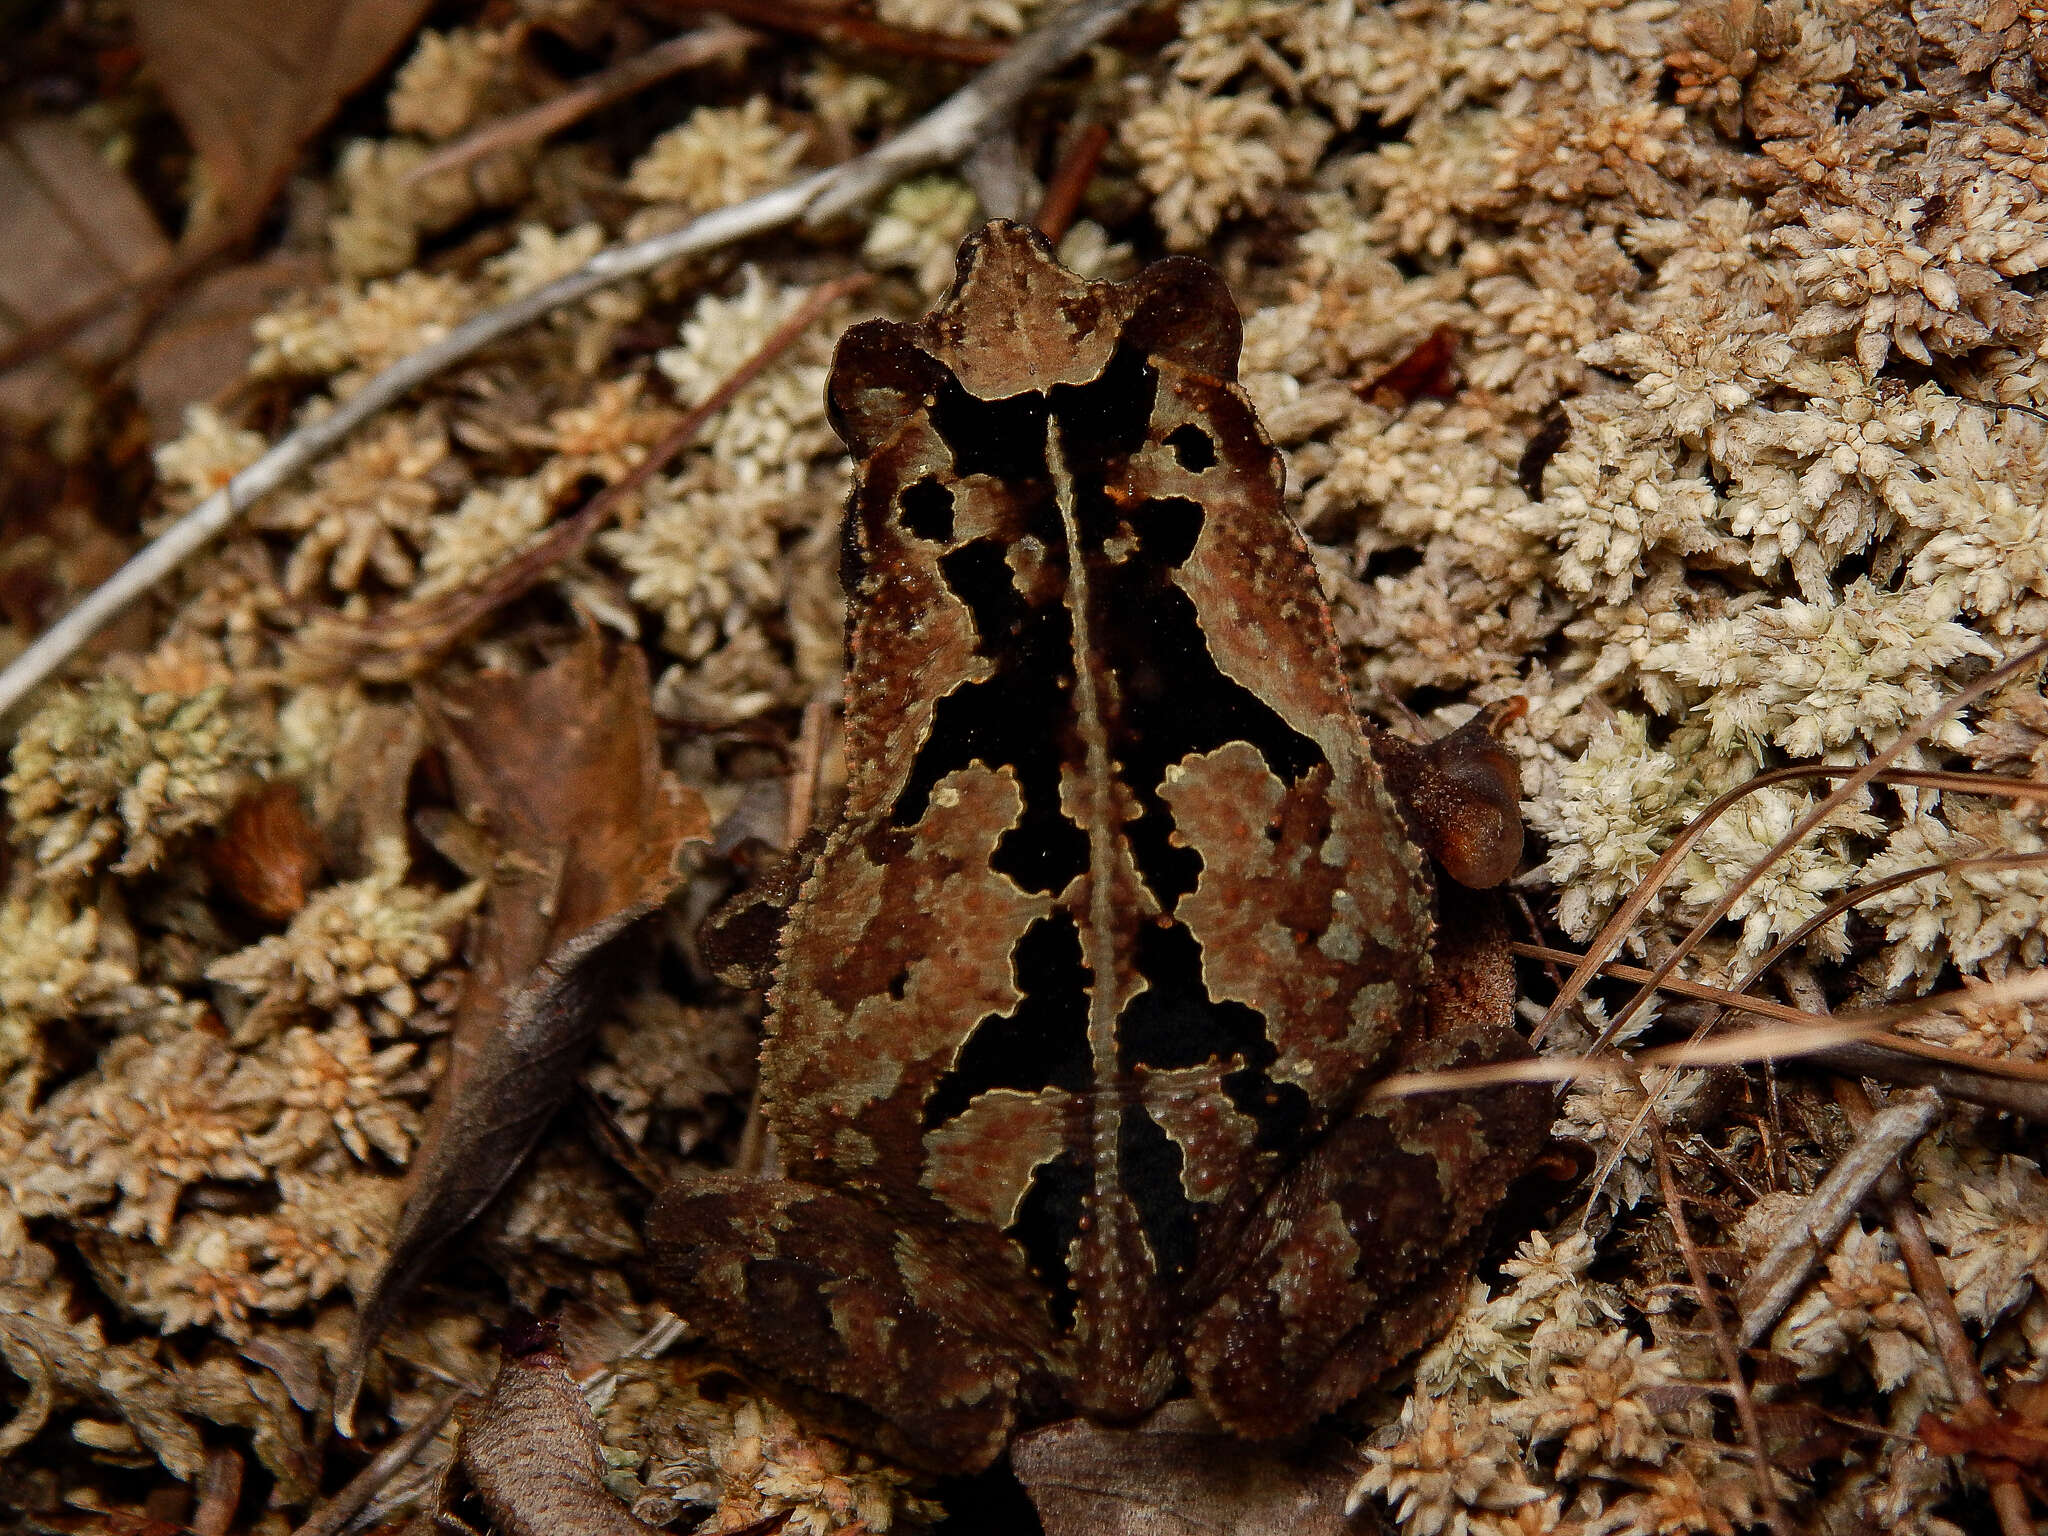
column 560, row 767
column 75, row 233
column 268, row 854
column 1176, row 1474
column 251, row 83
column 1429, row 370
column 359, row 801
column 1989, row 1436
column 201, row 345
column 532, row 1453
column 219, row 1492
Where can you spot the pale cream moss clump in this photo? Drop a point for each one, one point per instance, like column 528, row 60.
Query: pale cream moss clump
column 1864, row 1303
column 739, row 531
column 750, row 1458
column 777, row 423
column 920, row 228
column 205, row 456
column 222, row 1272
column 1985, row 502
column 442, row 88
column 487, row 527
column 542, row 255
column 1830, row 680
column 353, row 332
column 1003, row 17
column 60, row 957
column 104, row 776
column 388, row 207
column 335, row 1088
column 148, row 1121
column 365, row 940
column 704, row 557
column 1794, row 888
column 1988, row 1215
column 1449, row 1469
column 1608, row 1115
column 1977, row 919
column 1609, row 814
column 1620, row 488
column 1543, row 1364
column 718, row 155
column 1206, row 157
column 370, row 509
column 606, row 433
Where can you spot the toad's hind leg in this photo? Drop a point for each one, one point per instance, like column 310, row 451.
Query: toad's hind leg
column 1362, row 1253
column 827, row 1299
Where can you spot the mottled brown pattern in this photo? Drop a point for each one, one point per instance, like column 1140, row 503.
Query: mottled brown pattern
column 1077, row 1007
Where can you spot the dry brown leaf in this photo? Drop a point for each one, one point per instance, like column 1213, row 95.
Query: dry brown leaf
column 200, row 348
column 75, row 232
column 560, row 767
column 251, row 83
column 268, row 855
column 532, row 1452
column 359, row 801
column 1178, row 1475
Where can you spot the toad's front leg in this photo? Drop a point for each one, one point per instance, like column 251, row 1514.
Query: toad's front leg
column 878, row 1330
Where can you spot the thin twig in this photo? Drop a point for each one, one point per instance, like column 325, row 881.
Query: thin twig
column 1070, row 182
column 1731, row 1362
column 409, row 639
column 1841, row 903
column 1961, row 1078
column 382, row 1467
column 1782, row 1272
column 662, row 1335
column 715, row 40
column 2016, row 987
column 2026, row 1102
column 219, row 1490
column 938, row 138
column 1742, row 1048
column 805, row 773
column 1608, row 940
column 851, row 30
column 1952, row 1344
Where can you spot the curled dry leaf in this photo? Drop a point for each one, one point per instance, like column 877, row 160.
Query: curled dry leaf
column 1989, row 1436
column 560, row 768
column 1428, row 371
column 1176, row 1474
column 75, row 233
column 359, row 803
column 268, row 854
column 532, row 1452
column 200, row 349
column 250, row 84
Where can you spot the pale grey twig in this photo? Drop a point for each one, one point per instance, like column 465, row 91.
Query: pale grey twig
column 1783, row 1272
column 1002, row 182
column 335, row 1515
column 940, row 137
column 700, row 46
column 1872, row 1058
column 661, row 1336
